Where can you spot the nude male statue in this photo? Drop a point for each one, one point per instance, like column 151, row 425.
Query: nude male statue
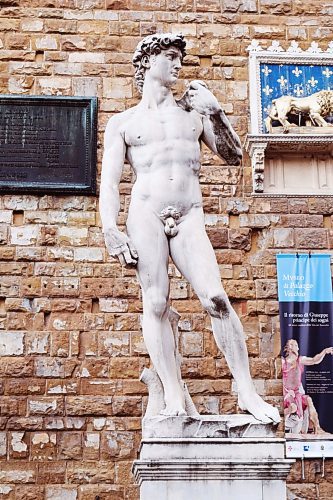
column 160, row 137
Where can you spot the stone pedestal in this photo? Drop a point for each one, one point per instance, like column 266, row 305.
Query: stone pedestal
column 211, row 458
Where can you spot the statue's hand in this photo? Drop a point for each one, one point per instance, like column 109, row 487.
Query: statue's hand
column 201, row 99
column 119, row 245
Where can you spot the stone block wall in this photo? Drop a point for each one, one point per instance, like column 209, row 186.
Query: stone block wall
column 71, row 349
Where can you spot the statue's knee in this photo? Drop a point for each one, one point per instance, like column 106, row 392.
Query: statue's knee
column 156, row 303
column 217, row 305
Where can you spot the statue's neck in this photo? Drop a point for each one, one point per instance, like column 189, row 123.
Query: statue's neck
column 155, row 95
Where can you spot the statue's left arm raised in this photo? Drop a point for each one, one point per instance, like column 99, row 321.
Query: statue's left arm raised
column 218, row 133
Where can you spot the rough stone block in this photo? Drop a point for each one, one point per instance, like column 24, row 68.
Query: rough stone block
column 240, row 238
column 301, row 220
column 18, row 473
column 49, row 472
column 117, row 445
column 192, row 344
column 55, row 287
column 99, row 287
column 46, row 406
column 80, row 405
column 283, row 238
column 13, row 406
column 91, row 443
column 25, row 321
column 124, row 288
column 94, row 368
column 61, row 493
column 3, row 444
column 3, row 234
column 236, row 289
column 104, row 491
column 28, row 492
column 24, row 387
column 218, row 237
column 24, row 235
column 70, row 445
column 124, row 368
column 65, row 321
column 124, row 406
column 46, row 42
column 54, row 85
column 11, row 343
column 55, row 367
column 113, row 344
column 117, row 88
column 6, row 216
column 85, row 472
column 113, row 305
column 32, row 25
column 266, row 289
column 16, row 367
column 311, row 238
column 256, row 221
column 86, row 57
column 18, row 447
column 89, row 254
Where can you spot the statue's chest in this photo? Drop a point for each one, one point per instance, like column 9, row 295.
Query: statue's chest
column 162, row 126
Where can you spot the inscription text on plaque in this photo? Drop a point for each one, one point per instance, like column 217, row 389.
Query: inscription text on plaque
column 48, row 144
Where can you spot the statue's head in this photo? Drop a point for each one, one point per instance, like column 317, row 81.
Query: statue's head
column 153, row 45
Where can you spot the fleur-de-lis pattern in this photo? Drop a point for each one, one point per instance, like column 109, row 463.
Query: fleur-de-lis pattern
column 298, row 90
column 266, row 70
column 267, row 90
column 282, row 81
column 298, row 80
column 312, row 82
column 327, row 72
column 297, row 72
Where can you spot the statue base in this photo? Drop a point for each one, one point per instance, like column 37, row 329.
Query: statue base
column 211, row 457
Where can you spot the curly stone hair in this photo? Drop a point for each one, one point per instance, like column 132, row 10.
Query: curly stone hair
column 153, row 45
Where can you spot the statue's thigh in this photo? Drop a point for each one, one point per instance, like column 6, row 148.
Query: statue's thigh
column 146, row 232
column 193, row 254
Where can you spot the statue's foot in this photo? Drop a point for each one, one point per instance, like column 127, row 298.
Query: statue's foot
column 174, row 405
column 251, row 401
column 173, row 411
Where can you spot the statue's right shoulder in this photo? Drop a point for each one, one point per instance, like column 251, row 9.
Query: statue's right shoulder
column 118, row 122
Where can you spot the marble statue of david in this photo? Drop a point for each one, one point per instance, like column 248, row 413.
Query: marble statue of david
column 160, row 138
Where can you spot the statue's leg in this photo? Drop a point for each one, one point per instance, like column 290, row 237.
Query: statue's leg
column 194, row 256
column 147, row 234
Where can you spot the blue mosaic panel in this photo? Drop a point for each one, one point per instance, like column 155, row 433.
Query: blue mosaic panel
column 299, row 80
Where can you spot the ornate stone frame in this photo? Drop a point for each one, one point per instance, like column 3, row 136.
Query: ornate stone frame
column 258, row 143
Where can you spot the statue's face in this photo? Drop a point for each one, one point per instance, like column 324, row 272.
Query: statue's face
column 165, row 66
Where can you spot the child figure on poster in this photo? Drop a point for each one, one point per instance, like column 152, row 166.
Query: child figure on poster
column 299, row 411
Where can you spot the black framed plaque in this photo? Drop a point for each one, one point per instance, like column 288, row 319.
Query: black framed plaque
column 48, row 144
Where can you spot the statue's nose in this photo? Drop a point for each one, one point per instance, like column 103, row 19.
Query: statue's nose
column 178, row 64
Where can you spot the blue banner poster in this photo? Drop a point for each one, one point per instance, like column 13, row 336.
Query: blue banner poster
column 306, row 320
